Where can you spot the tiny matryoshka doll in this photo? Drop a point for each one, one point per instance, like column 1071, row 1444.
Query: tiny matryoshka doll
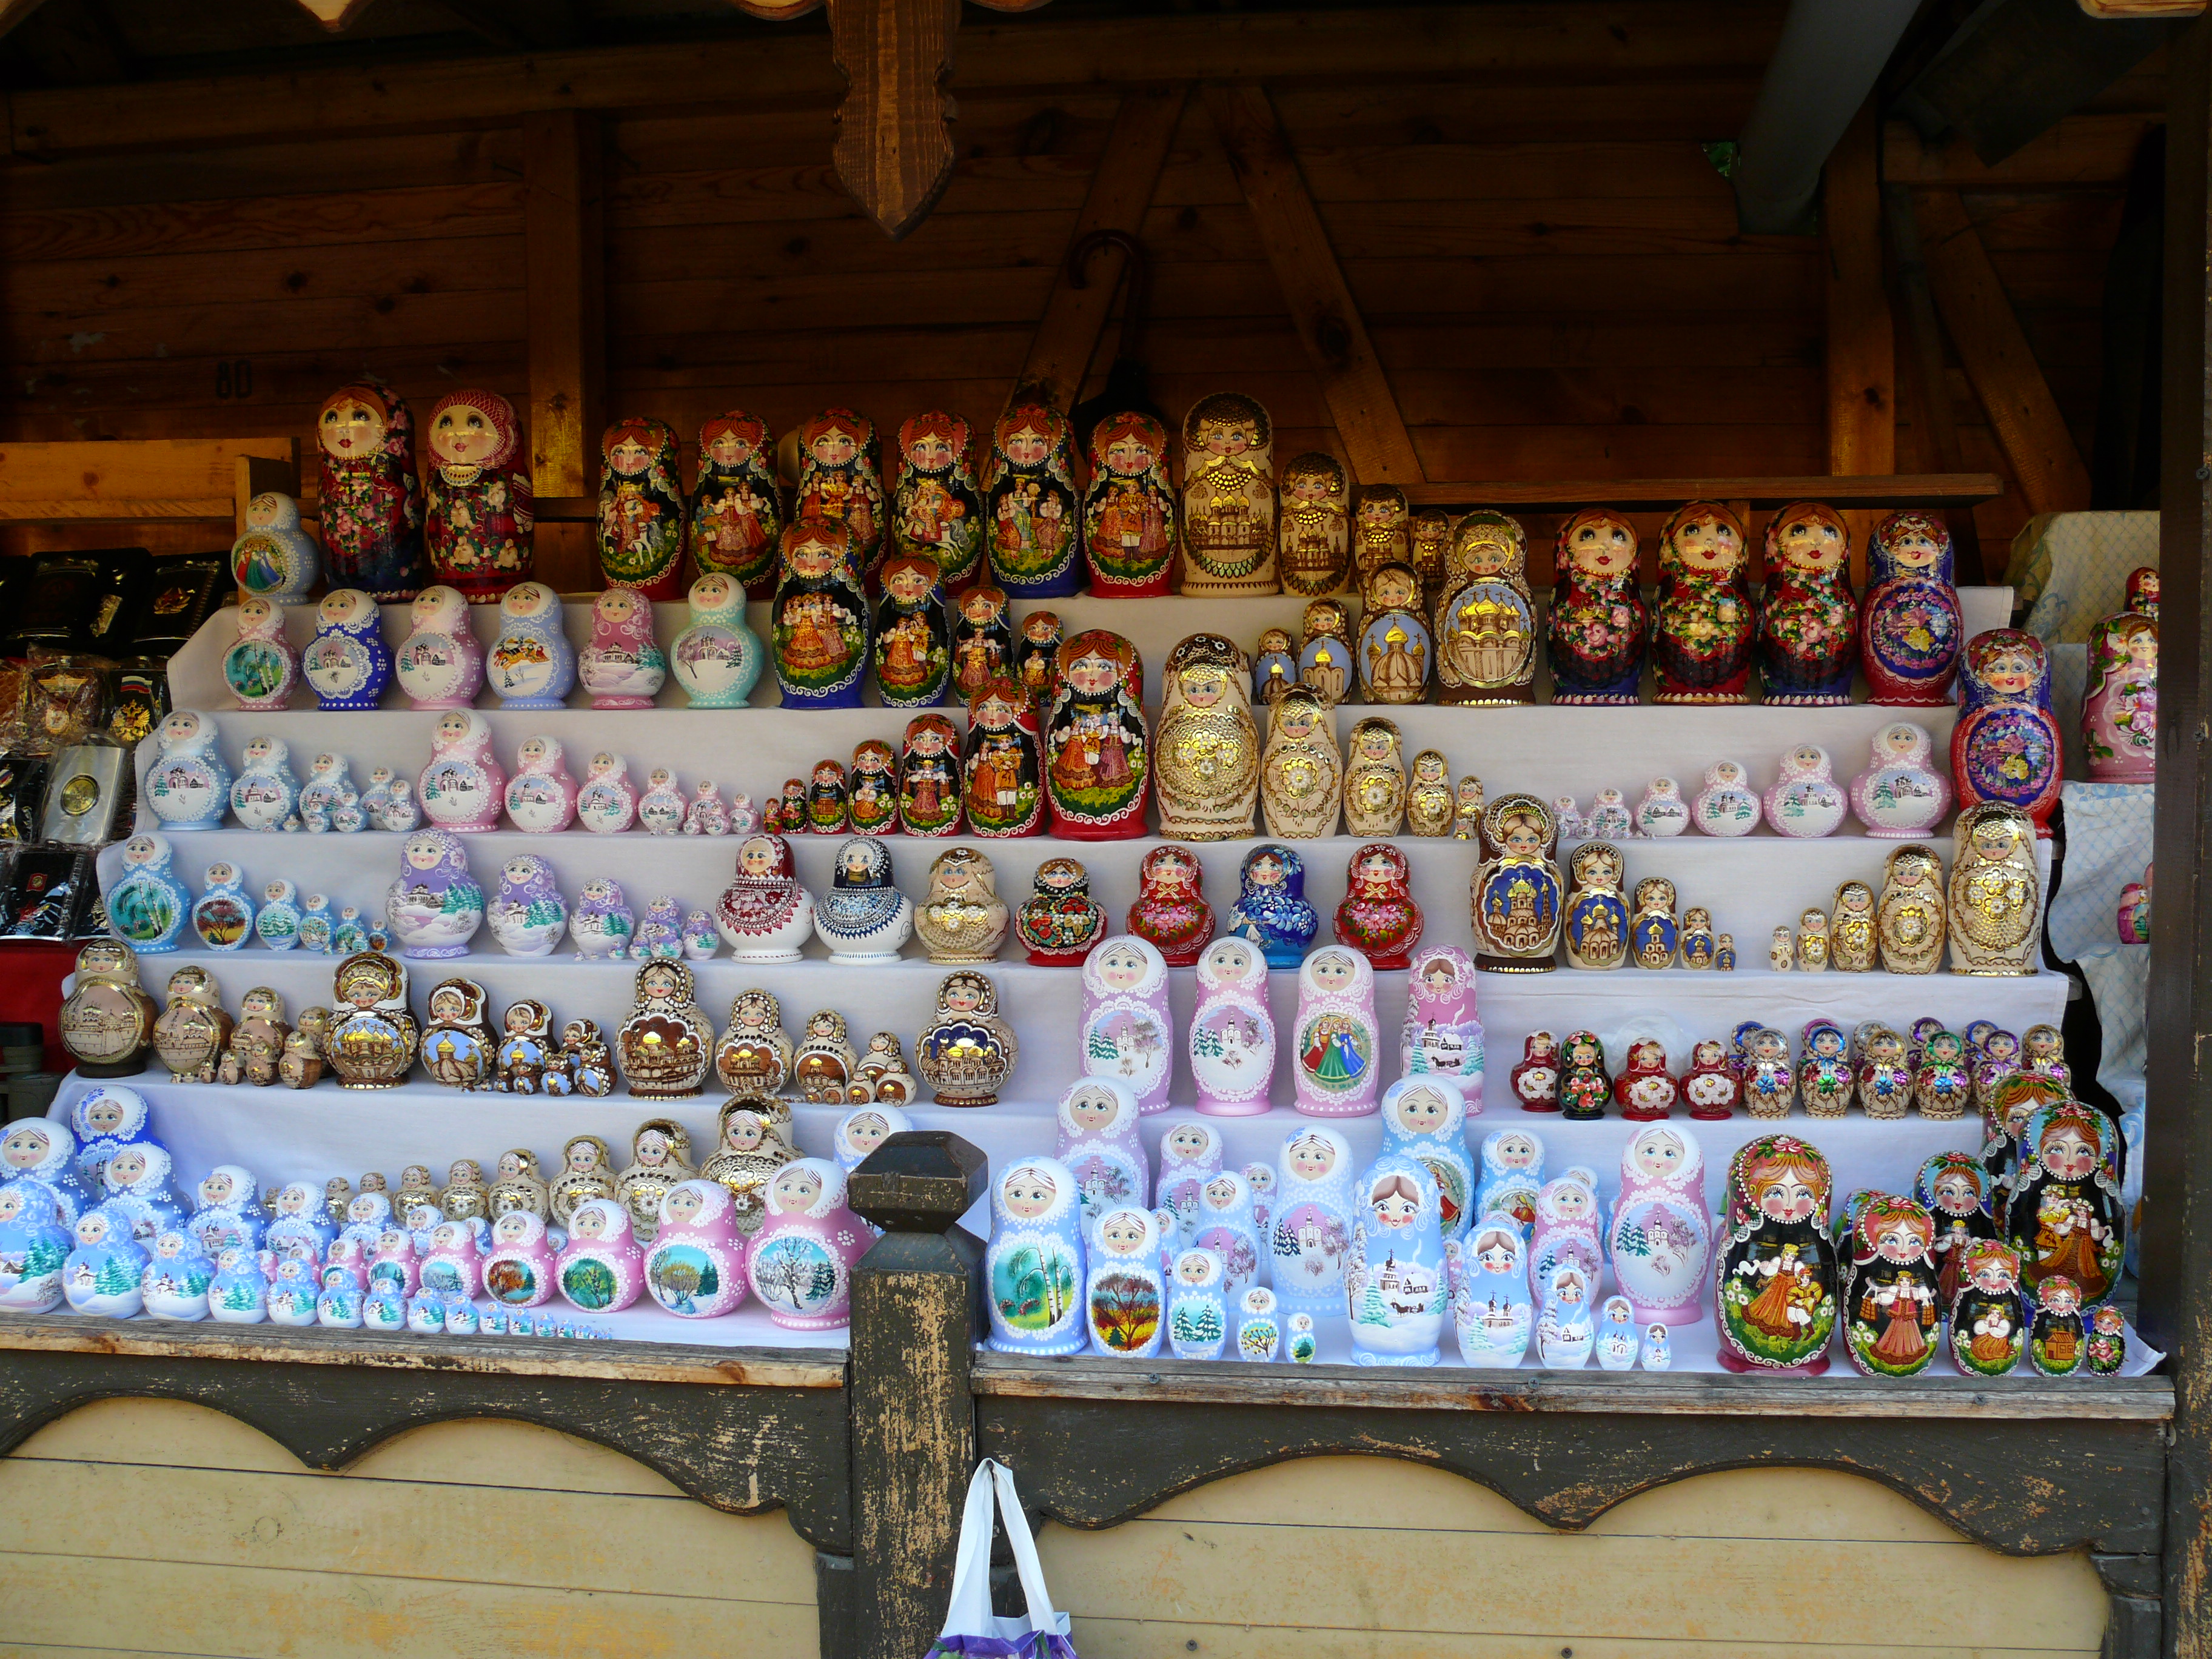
column 478, row 521
column 1228, row 497
column 1662, row 1237
column 1808, row 623
column 1097, row 766
column 1704, row 621
column 913, row 645
column 1375, row 778
column 1171, row 910
column 1598, row 620
column 1233, row 1034
column 1125, row 1291
column 820, row 624
column 1315, row 537
column 1271, row 909
column 2119, row 710
column 1274, row 667
column 936, row 511
column 641, row 517
column 1516, row 888
column 1394, row 1276
column 1394, row 651
column 1776, row 1305
column 1031, row 516
column 1338, row 1045
column 1890, row 1325
column 1127, row 1032
column 623, row 667
column 2005, row 747
column 838, row 481
column 737, row 514
column 1208, row 747
column 1129, row 516
column 982, row 639
column 1910, row 629
column 1995, row 893
column 929, row 787
column 1059, row 921
column 1378, row 917
column 1300, row 774
column 370, row 492
column 999, row 769
column 1033, row 1268
column 801, row 1263
column 1486, row 616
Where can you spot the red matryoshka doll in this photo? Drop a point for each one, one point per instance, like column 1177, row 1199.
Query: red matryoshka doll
column 1031, row 516
column 642, row 507
column 1536, row 1079
column 837, row 481
column 2005, row 747
column 1000, row 773
column 1097, row 766
column 736, row 512
column 1171, row 911
column 371, row 494
column 1705, row 622
column 820, row 624
column 1808, row 623
column 1713, row 1087
column 1910, row 631
column 1776, row 1305
column 937, row 513
column 1646, row 1090
column 982, row 640
column 1129, row 518
column 1378, row 917
column 476, row 527
column 1599, row 619
column 929, row 798
column 2120, row 715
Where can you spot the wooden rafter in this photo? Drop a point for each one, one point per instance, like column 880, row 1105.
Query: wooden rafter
column 564, row 284
column 1862, row 347
column 333, row 14
column 13, row 12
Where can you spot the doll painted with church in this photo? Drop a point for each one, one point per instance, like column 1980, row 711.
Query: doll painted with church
column 1031, row 518
column 1229, row 498
column 1485, row 615
column 1516, row 897
column 1394, row 1273
column 1309, row 1224
column 936, row 510
column 1396, row 654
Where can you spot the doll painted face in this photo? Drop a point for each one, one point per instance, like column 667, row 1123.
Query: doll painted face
column 1310, row 489
column 1604, row 548
column 1786, row 1197
column 629, row 456
column 1572, row 1201
column 1226, row 438
column 1709, row 544
column 1420, row 1111
column 1172, row 874
column 961, row 997
column 729, row 448
column 1122, row 1234
column 2010, row 673
column 590, row 1223
column 833, row 447
column 25, row 1148
column 1027, row 445
column 1297, row 720
column 757, row 857
column 1121, row 967
column 682, row 1205
column 1394, row 1201
column 1659, row 1156
column 582, row 1156
column 1204, row 685
column 1028, row 1194
column 1915, row 548
column 1333, row 970
column 1267, row 871
column 2060, row 1297
column 511, row 1228
column 1393, row 589
column 1187, row 1141
column 1523, row 839
column 464, row 435
column 1312, row 1157
column 813, row 559
column 2065, row 1152
column 797, row 1189
column 350, row 429
column 1194, row 1269
column 1813, row 542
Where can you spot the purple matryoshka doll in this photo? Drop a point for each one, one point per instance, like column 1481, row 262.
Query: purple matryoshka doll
column 477, row 522
column 519, row 1267
column 602, row 1269
column 435, row 906
column 1337, row 1049
column 1706, row 620
column 2005, row 747
column 1190, row 1156
column 737, row 514
column 1910, row 629
column 454, row 1266
column 464, row 785
column 1570, row 1226
column 1097, row 772
column 1661, row 1236
column 1127, row 1032
column 623, row 667
column 441, row 663
column 1033, row 1268
column 1099, row 1144
column 1229, row 1225
column 1598, row 620
column 1395, row 1275
column 541, row 796
column 801, row 1263
column 1309, row 1223
column 1808, row 623
column 1442, row 1034
column 1125, row 1292
column 2120, row 714
column 642, row 509
column 348, row 666
column 371, row 492
column 697, row 1266
column 819, row 626
column 1232, row 1035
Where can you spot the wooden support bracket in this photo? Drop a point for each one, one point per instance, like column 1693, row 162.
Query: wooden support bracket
column 892, row 150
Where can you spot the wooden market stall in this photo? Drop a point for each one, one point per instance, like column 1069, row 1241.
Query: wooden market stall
column 1491, row 252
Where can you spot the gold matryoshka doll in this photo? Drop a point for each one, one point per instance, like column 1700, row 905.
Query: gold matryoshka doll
column 1486, row 619
column 1315, row 536
column 1228, row 497
column 1206, row 752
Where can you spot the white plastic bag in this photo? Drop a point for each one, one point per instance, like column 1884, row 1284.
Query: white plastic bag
column 971, row 1630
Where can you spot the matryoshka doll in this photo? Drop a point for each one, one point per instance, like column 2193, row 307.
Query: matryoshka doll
column 764, row 914
column 1491, row 1308
column 1704, row 621
column 348, row 666
column 1208, row 748
column 962, row 918
column 1485, row 615
column 2005, row 747
column 838, row 483
column 1098, row 770
column 1425, row 1118
column 623, row 667
column 1776, row 1303
column 1377, row 916
column 913, row 644
column 756, row 1142
column 1808, row 621
column 147, row 904
column 1310, row 1220
column 801, row 1263
column 1033, row 1268
column 666, row 1045
column 1395, row 650
column 441, row 663
column 1271, row 909
column 1711, row 1088
column 1060, row 922
column 1909, row 628
column 478, row 523
column 864, row 919
column 1854, row 946
column 929, row 778
column 1646, row 1090
column 1339, row 1046
column 1996, row 895
column 1315, row 537
column 519, row 1265
column 1326, row 664
column 370, row 492
column 1804, row 800
column 982, row 639
column 1911, row 915
column 1129, row 516
column 717, row 658
column 1198, row 1304
column 873, row 802
column 1955, row 1189
column 1229, row 1225
column 1516, row 888
column 736, row 512
column 1171, row 911
column 1274, row 667
column 541, row 797
column 1375, row 778
column 531, row 665
column 697, row 1266
column 1099, row 1144
column 1890, row 1328
column 1190, row 1156
column 1001, row 769
column 261, row 668
column 1125, row 1292
column 1431, row 804
column 528, row 914
column 1570, row 1226
column 1536, row 1079
column 188, row 787
column 2042, row 1053
column 1394, row 1273
column 222, row 915
column 1661, row 1238
column 1233, row 1034
column 820, row 624
column 1228, row 498
column 1127, row 1032
column 966, row 1052
column 601, row 1269
column 936, row 511
column 35, row 1241
column 1599, row 620
column 1301, row 775
column 1988, row 1333
column 2062, row 1212
column 464, row 785
column 602, row 923
column 1379, row 529
column 1442, row 1036
column 1031, row 516
column 2119, row 713
column 101, row 1275
column 1597, row 920
column 641, row 517
column 1585, row 1086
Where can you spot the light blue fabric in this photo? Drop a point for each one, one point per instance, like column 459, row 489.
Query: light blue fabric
column 2108, row 831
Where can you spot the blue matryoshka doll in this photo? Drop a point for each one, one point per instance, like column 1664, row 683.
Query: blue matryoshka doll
column 100, row 1276
column 1309, row 1221
column 1394, row 1278
column 1567, row 1328
column 35, row 1242
column 1229, row 1225
column 1512, row 1176
column 176, row 1277
column 146, row 905
column 2006, row 746
column 1198, row 1306
column 229, row 1215
column 41, row 1152
column 1033, row 1266
column 189, row 786
column 238, row 1292
column 1492, row 1311
column 1274, row 667
column 1425, row 1118
column 1909, row 628
column 135, row 1180
column 1125, row 1293
column 105, row 1120
column 1271, row 909
column 348, row 665
column 531, row 665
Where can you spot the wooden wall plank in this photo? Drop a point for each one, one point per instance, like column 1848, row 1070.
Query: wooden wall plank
column 373, row 270
column 1862, row 356
column 565, row 280
column 2081, row 150
column 180, row 479
column 308, row 218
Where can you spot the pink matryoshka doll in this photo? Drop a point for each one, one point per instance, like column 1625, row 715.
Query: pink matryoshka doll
column 454, row 1266
column 1568, row 1222
column 1442, row 1033
column 393, row 1266
column 602, row 1269
column 696, row 1268
column 1232, row 1035
column 463, row 787
column 370, row 491
column 1338, row 1046
column 541, row 797
column 624, row 666
column 2005, row 747
column 1099, row 1143
column 2120, row 714
column 1662, row 1237
column 1808, row 623
column 439, row 663
column 1171, row 910
column 518, row 1268
column 1128, row 1033
column 1909, row 628
column 478, row 523
column 1378, row 917
column 801, row 1263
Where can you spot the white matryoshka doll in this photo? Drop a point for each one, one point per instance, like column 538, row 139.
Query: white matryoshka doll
column 1229, row 1225
column 264, row 792
column 764, row 914
column 623, row 667
column 1233, row 1034
column 454, row 1264
column 106, row 1120
column 518, row 1268
column 348, row 665
column 696, row 1268
column 1442, row 1034
column 1661, row 1236
column 1570, row 1226
column 1309, row 1220
column 1190, row 1156
column 35, row 1242
column 1198, row 1304
column 189, row 786
column 1492, row 1311
column 1128, row 1033
column 602, row 1269
column 801, row 1263
column 40, row 1152
column 1033, row 1268
column 1566, row 1331
column 440, row 664
column 1125, row 1292
column 541, row 797
column 1338, row 1045
column 463, row 787
column 531, row 665
column 102, row 1274
column 528, row 915
column 1395, row 1276
column 1425, row 1119
column 262, row 667
column 1099, row 1144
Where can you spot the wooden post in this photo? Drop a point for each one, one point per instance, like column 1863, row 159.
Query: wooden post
column 912, row 1416
column 1861, row 343
column 892, row 150
column 564, row 250
column 2176, row 1312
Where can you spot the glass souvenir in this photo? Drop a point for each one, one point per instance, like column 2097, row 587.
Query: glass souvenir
column 864, row 919
column 1431, row 806
column 1909, row 625
column 736, row 512
column 147, row 905
column 1001, row 773
column 188, row 786
column 1127, row 1032
column 929, row 785
column 1516, row 888
column 913, row 647
column 602, row 923
column 764, row 914
column 1377, row 916
column 717, row 658
column 1271, row 909
column 623, row 667
column 2119, row 710
column 961, row 918
column 541, row 797
column 1033, row 1268
column 1394, row 1276
column 531, row 665
column 966, row 1052
column 1900, row 795
column 273, row 559
column 1380, row 529
column 1395, row 653
column 528, row 914
column 1598, row 619
column 1596, row 926
column 1315, row 536
column 1808, row 623
column 666, row 1045
column 1171, row 912
column 223, row 916
column 1233, row 1034
column 1338, row 1040
column 463, row 787
column 1995, row 893
column 1059, row 921
column 1301, row 775
column 1228, row 498
column 1130, row 518
column 1776, row 1302
column 435, row 906
column 439, row 663
column 477, row 519
column 1328, row 666
column 838, row 484
column 372, row 1040
column 641, row 519
column 369, row 492
column 821, row 624
column 107, row 1022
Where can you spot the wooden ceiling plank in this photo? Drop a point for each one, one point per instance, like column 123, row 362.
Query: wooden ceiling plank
column 336, row 16
column 892, row 150
column 1662, row 495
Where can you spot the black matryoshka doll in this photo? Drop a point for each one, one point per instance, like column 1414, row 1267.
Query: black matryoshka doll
column 1955, row 1189
column 2064, row 1213
column 837, row 481
column 737, row 514
column 1098, row 770
column 1808, row 623
column 1029, row 502
column 913, row 645
column 1129, row 512
column 1776, row 1305
column 1037, row 658
column 1988, row 1332
column 1485, row 633
column 1705, row 622
column 982, row 639
column 371, row 494
column 1001, row 777
column 929, row 777
column 642, row 507
column 821, row 618
column 937, row 513
column 478, row 523
column 1599, row 619
column 1890, row 1328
